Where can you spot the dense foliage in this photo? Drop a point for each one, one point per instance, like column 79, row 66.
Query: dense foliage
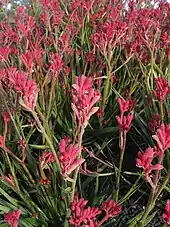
column 85, row 113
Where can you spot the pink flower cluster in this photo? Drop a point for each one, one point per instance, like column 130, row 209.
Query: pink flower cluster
column 46, row 158
column 84, row 97
column 154, row 122
column 68, row 156
column 82, row 216
column 56, row 63
column 144, row 161
column 124, row 121
column 27, row 88
column 162, row 89
column 6, row 117
column 111, row 208
column 28, row 59
column 162, row 137
column 109, row 33
column 4, row 53
column 12, row 218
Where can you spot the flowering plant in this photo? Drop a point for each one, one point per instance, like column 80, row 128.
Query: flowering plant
column 84, row 86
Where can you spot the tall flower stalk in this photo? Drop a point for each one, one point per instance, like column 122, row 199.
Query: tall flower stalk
column 84, row 97
column 124, row 123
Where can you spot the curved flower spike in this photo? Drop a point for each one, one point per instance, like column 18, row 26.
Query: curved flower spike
column 144, row 161
column 162, row 137
column 84, row 97
column 68, row 157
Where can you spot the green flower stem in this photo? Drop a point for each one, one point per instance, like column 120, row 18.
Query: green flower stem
column 96, row 188
column 77, row 170
column 118, row 177
column 107, row 83
column 151, row 201
column 45, row 123
column 77, row 131
column 42, row 101
column 51, row 96
column 43, row 176
column 47, row 139
column 11, row 153
column 149, row 207
column 128, row 59
column 161, row 187
column 122, row 151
